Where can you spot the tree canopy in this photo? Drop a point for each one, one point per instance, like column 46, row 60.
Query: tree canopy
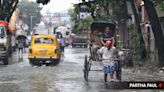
column 159, row 4
column 7, row 7
column 79, row 25
column 29, row 10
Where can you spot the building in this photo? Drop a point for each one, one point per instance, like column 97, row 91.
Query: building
column 146, row 29
column 60, row 18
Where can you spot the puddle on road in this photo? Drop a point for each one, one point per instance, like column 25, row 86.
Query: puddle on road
column 8, row 78
column 10, row 87
column 70, row 86
column 41, row 81
column 77, row 50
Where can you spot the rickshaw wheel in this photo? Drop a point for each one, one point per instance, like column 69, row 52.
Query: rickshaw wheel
column 118, row 70
column 92, row 54
column 86, row 68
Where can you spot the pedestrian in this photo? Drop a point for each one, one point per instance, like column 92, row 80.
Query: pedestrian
column 108, row 53
column 61, row 43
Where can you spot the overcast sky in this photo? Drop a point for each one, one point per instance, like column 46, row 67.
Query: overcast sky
column 58, row 5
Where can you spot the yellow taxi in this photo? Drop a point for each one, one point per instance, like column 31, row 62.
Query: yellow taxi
column 44, row 49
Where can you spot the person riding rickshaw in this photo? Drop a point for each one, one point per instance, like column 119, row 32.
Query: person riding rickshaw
column 107, row 35
column 99, row 36
column 95, row 42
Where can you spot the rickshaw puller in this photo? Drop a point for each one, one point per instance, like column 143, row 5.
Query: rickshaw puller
column 108, row 53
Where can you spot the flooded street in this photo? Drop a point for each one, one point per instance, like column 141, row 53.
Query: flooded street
column 67, row 76
column 82, row 45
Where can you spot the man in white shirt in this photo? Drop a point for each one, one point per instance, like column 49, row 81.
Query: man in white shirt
column 108, row 53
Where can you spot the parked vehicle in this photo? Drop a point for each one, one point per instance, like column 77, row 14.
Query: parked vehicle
column 5, row 42
column 80, row 41
column 66, row 41
column 44, row 49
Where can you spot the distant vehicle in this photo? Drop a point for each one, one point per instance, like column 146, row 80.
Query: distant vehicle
column 80, row 41
column 28, row 40
column 5, row 42
column 44, row 49
column 66, row 41
column 65, row 32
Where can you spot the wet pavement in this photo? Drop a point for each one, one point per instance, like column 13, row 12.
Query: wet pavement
column 67, row 76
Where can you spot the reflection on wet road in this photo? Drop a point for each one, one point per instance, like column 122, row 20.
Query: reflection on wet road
column 67, row 76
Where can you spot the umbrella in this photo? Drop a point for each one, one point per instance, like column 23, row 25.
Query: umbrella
column 21, row 37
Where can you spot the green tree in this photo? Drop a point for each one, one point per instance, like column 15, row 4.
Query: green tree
column 29, row 10
column 7, row 7
column 73, row 14
column 157, row 30
column 139, row 30
column 85, row 24
column 79, row 25
column 159, row 4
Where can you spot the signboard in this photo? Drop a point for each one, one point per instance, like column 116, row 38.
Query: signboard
column 84, row 15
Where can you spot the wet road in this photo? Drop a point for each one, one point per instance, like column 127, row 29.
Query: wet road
column 67, row 76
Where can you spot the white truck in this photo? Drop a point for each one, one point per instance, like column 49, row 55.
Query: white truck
column 5, row 44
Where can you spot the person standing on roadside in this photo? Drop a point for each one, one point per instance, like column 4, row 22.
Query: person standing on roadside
column 61, row 43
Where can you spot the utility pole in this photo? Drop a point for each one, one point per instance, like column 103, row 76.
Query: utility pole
column 31, row 22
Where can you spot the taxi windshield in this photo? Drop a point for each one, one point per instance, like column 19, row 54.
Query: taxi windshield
column 44, row 41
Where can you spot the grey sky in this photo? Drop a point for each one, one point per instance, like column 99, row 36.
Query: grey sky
column 58, row 5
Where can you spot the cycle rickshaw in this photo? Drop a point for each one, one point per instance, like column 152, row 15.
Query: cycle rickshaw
column 99, row 25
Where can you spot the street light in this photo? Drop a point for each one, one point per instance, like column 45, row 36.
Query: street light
column 31, row 21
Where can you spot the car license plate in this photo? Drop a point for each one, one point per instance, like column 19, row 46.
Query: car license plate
column 43, row 52
column 42, row 57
